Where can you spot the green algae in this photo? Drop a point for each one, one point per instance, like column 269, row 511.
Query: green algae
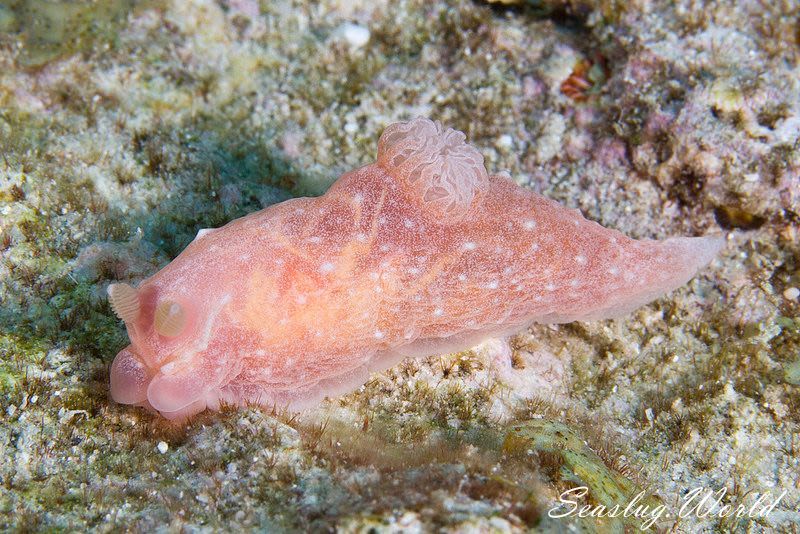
column 582, row 466
column 792, row 372
column 55, row 28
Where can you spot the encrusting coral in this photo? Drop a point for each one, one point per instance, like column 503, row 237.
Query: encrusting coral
column 420, row 253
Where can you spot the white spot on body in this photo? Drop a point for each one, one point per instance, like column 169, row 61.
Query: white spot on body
column 492, row 285
column 550, row 287
column 438, row 312
column 580, row 259
column 327, row 267
column 169, row 368
column 408, row 223
column 614, row 271
column 530, row 224
column 379, row 334
column 469, row 245
column 462, row 278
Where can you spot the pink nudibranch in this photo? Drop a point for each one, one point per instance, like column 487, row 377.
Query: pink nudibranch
column 422, row 252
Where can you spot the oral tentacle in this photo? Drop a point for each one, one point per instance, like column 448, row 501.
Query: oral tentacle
column 130, row 378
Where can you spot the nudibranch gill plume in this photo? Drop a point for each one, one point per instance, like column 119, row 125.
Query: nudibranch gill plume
column 420, row 253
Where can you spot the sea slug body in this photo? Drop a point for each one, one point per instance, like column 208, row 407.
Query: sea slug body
column 422, row 252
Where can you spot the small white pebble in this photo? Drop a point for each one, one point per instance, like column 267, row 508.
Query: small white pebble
column 355, row 35
column 504, row 142
column 162, row 447
column 791, row 293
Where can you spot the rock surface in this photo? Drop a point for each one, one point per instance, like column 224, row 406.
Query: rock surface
column 122, row 136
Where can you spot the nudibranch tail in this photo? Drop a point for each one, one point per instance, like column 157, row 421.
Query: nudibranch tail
column 655, row 268
column 124, row 301
column 699, row 250
column 436, row 164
